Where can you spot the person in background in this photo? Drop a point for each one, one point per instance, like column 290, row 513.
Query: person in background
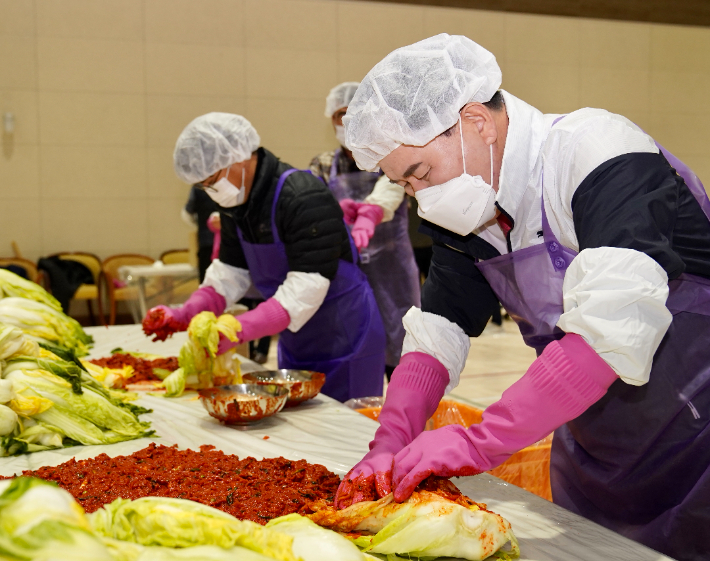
column 596, row 240
column 376, row 210
column 282, row 230
column 197, row 211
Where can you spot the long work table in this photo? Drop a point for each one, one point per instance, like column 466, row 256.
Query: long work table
column 324, row 431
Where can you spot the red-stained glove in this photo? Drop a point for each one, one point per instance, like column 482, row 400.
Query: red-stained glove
column 417, row 385
column 368, row 217
column 162, row 321
column 567, row 378
column 349, row 208
column 268, row 318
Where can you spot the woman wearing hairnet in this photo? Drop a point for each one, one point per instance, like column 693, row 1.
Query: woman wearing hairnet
column 281, row 230
column 597, row 242
column 377, row 210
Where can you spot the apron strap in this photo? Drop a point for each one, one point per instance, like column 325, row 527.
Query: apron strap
column 331, row 177
column 554, row 248
column 277, row 193
column 691, row 180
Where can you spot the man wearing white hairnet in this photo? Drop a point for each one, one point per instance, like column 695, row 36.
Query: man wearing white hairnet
column 281, row 230
column 376, row 210
column 597, row 242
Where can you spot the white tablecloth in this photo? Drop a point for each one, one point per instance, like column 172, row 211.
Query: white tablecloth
column 325, row 432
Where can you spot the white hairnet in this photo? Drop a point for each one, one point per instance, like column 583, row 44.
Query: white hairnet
column 213, row 142
column 340, row 97
column 415, row 93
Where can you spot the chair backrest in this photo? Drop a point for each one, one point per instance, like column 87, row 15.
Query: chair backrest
column 175, row 256
column 112, row 264
column 89, row 260
column 26, row 264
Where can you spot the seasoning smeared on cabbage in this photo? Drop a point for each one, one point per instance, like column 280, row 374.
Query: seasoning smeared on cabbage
column 436, row 521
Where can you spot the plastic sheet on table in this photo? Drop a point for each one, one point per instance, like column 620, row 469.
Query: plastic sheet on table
column 529, row 468
column 368, row 406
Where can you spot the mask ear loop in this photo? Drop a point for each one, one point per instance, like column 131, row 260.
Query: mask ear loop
column 491, row 147
column 463, row 154
column 245, row 168
column 226, row 175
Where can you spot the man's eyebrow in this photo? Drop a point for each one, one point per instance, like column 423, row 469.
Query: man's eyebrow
column 410, row 170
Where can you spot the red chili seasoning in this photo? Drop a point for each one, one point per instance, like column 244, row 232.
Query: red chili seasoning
column 143, row 368
column 249, row 489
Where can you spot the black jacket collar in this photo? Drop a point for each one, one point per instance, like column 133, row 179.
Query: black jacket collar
column 470, row 245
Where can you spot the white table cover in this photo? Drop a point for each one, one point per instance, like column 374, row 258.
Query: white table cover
column 325, row 432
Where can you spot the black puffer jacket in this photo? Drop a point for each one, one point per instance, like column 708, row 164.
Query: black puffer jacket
column 308, row 219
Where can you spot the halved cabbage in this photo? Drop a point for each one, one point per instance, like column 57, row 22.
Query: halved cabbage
column 438, row 523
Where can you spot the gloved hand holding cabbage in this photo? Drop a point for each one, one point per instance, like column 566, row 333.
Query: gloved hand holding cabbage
column 200, row 362
column 40, row 521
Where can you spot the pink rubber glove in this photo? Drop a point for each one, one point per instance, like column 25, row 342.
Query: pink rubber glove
column 368, row 217
column 216, row 243
column 417, row 385
column 560, row 385
column 349, row 208
column 214, row 224
column 268, row 318
column 162, row 321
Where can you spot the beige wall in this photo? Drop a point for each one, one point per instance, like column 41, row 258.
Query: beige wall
column 101, row 89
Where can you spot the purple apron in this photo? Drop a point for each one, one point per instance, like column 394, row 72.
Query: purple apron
column 638, row 460
column 388, row 260
column 344, row 338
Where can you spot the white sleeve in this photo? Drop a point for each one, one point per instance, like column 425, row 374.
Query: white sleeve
column 577, row 145
column 301, row 294
column 616, row 300
column 189, row 219
column 230, row 282
column 437, row 337
column 387, row 195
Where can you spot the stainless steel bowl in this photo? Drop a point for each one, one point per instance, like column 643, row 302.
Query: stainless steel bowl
column 301, row 384
column 243, row 404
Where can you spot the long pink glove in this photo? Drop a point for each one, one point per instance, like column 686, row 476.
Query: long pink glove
column 349, row 208
column 417, row 385
column 560, row 385
column 268, row 318
column 214, row 226
column 162, row 321
column 368, row 217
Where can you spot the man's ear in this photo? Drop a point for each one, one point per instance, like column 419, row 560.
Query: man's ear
column 480, row 116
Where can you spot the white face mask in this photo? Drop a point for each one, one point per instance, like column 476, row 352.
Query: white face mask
column 460, row 205
column 340, row 134
column 225, row 193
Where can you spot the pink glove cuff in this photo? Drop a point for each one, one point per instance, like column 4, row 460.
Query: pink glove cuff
column 423, row 373
column 268, row 318
column 572, row 374
column 204, row 299
column 216, row 243
column 374, row 213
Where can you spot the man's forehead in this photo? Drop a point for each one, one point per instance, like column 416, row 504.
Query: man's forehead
column 402, row 162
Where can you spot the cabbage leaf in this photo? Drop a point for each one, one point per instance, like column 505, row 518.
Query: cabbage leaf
column 425, row 525
column 12, row 285
column 160, row 521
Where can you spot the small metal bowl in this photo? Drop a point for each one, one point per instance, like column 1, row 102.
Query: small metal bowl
column 301, row 384
column 243, row 404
